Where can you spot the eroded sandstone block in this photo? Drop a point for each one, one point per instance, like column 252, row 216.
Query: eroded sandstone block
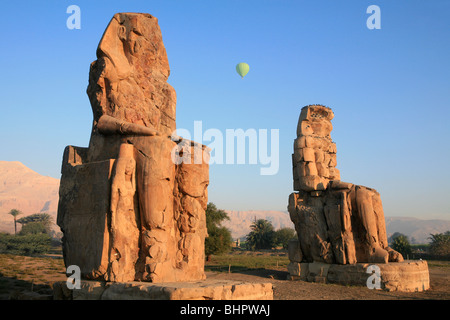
column 192, row 290
column 314, row 158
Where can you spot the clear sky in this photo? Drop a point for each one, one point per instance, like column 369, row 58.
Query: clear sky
column 389, row 88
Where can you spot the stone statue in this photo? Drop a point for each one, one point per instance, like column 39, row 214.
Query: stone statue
column 124, row 249
column 336, row 221
column 128, row 209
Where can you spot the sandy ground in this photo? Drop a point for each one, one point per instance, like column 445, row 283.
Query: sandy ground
column 19, row 274
column 301, row 290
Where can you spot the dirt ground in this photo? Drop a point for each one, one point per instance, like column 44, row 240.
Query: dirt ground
column 300, row 290
column 19, row 274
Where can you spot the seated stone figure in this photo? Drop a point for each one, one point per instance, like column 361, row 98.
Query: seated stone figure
column 336, row 222
column 128, row 210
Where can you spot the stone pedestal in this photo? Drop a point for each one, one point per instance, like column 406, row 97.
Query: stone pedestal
column 406, row 276
column 194, row 290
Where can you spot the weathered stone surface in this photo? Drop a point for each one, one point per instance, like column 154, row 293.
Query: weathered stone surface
column 128, row 81
column 132, row 204
column 89, row 290
column 294, row 251
column 406, row 276
column 341, row 226
column 83, row 212
column 314, row 151
column 193, row 290
column 336, row 221
column 317, row 272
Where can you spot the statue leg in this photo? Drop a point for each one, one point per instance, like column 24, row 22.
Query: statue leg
column 124, row 241
column 366, row 214
column 155, row 184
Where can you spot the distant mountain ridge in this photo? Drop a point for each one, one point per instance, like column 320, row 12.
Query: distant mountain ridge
column 418, row 230
column 24, row 189
column 240, row 221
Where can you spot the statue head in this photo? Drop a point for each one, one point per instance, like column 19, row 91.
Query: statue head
column 128, row 79
column 134, row 40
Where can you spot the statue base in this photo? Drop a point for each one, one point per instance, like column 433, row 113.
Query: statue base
column 406, row 276
column 195, row 290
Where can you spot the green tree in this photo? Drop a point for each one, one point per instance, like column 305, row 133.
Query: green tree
column 15, row 213
column 261, row 236
column 33, row 228
column 219, row 238
column 401, row 244
column 36, row 223
column 393, row 236
column 440, row 244
column 282, row 237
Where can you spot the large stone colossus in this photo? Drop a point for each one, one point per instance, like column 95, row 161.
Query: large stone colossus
column 337, row 222
column 132, row 204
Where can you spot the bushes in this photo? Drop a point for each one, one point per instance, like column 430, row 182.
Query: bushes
column 282, row 237
column 219, row 238
column 264, row 236
column 36, row 223
column 34, row 238
column 402, row 245
column 438, row 249
column 28, row 244
column 440, row 244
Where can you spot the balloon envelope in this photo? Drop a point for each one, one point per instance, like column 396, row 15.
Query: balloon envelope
column 242, row 69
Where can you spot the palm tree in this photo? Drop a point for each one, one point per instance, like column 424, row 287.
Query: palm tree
column 262, row 235
column 15, row 213
column 440, row 244
column 402, row 245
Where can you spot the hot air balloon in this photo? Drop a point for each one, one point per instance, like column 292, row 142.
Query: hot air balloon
column 242, row 69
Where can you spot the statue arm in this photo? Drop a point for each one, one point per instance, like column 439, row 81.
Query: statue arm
column 110, row 125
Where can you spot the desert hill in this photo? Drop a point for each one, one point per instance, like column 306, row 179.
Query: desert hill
column 26, row 190
column 418, row 230
column 240, row 221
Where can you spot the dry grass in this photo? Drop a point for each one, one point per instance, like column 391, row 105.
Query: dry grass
column 23, row 273
column 239, row 260
column 37, row 274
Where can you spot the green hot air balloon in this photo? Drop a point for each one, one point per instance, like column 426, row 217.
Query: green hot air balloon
column 242, row 69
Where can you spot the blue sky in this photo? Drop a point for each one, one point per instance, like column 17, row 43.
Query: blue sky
column 389, row 88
